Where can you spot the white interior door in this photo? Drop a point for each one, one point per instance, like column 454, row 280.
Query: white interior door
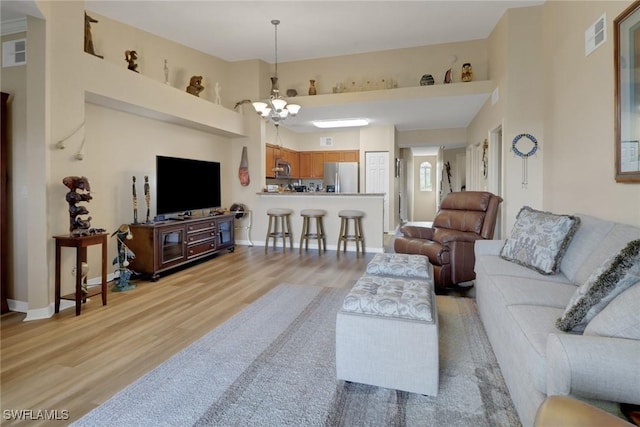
column 376, row 165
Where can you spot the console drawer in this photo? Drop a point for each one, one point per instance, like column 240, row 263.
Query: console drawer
column 196, row 237
column 201, row 248
column 200, row 225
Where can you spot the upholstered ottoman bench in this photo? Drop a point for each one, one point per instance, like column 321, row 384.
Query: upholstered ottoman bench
column 387, row 332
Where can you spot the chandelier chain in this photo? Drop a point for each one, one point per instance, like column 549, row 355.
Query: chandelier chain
column 275, row 23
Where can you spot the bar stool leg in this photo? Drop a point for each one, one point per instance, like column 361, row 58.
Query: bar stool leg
column 318, row 235
column 266, row 241
column 340, row 235
column 289, row 233
column 324, row 236
column 303, row 235
column 360, row 234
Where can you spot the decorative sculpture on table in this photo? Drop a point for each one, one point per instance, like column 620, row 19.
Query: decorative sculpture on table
column 243, row 170
column 195, row 85
column 88, row 38
column 147, row 196
column 131, row 56
column 135, row 201
column 77, row 225
column 122, row 259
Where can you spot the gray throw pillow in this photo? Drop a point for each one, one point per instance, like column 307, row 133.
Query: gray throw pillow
column 620, row 319
column 610, row 279
column 539, row 239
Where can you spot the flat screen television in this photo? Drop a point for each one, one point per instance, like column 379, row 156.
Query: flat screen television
column 185, row 185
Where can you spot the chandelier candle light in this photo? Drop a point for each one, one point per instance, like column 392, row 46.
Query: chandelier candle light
column 275, row 108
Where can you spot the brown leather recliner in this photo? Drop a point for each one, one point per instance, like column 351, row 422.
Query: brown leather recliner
column 463, row 218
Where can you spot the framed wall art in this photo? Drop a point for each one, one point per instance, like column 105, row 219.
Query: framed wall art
column 627, row 97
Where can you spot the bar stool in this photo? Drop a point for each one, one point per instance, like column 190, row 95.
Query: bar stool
column 307, row 215
column 284, row 215
column 357, row 235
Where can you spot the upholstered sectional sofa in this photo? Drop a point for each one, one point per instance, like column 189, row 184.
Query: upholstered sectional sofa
column 520, row 308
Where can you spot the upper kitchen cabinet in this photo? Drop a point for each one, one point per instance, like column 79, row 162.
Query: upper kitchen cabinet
column 342, row 156
column 311, row 164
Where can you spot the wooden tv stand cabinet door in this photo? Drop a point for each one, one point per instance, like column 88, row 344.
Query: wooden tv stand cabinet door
column 161, row 246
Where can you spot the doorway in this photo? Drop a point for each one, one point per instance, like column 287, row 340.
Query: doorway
column 376, row 166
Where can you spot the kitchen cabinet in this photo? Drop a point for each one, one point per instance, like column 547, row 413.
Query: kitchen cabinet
column 342, row 156
column 273, row 153
column 317, row 164
column 270, row 162
column 307, row 164
column 293, row 157
column 311, row 164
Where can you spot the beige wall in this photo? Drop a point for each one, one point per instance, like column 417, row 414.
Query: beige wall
column 343, row 139
column 406, row 66
column 111, row 39
column 579, row 116
column 14, row 82
column 550, row 89
column 515, row 50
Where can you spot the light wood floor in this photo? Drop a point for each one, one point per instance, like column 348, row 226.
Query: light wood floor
column 76, row 363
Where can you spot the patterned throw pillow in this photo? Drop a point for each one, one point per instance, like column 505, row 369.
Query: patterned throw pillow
column 539, row 239
column 614, row 276
column 620, row 319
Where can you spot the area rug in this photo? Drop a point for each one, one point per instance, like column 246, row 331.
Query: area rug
column 273, row 364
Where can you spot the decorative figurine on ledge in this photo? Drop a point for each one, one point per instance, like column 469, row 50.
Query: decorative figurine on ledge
column 88, row 38
column 195, row 85
column 447, row 77
column 77, row 225
column 426, row 80
column 467, row 72
column 124, row 256
column 131, row 56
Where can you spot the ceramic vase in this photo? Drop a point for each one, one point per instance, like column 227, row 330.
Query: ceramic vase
column 312, row 87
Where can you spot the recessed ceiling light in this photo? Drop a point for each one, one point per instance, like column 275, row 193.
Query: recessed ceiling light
column 339, row 123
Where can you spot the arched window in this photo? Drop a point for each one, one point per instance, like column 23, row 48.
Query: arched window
column 425, row 177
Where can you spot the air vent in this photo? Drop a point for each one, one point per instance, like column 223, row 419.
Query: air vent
column 595, row 35
column 326, row 141
column 14, row 52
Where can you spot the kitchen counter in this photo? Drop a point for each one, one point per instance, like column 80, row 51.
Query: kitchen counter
column 320, row 193
column 372, row 204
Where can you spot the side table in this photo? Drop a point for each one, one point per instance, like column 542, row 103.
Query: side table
column 80, row 243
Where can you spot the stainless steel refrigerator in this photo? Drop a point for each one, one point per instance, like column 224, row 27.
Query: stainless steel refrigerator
column 343, row 176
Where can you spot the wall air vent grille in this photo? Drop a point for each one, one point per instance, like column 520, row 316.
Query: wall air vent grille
column 596, row 35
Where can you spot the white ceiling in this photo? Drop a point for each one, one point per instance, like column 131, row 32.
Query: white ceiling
column 239, row 30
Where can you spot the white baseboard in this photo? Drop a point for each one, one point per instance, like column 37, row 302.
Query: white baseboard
column 49, row 311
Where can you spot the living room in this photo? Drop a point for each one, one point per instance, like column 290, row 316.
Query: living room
column 534, row 55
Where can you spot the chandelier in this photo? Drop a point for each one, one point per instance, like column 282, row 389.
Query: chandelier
column 275, row 108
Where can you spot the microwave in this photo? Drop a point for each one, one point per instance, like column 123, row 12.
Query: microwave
column 283, row 169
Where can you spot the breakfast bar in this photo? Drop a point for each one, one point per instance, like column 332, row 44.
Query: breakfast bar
column 372, row 204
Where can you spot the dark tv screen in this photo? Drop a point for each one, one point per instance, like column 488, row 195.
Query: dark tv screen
column 184, row 185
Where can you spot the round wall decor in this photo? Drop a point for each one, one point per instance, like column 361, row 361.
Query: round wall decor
column 532, row 140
